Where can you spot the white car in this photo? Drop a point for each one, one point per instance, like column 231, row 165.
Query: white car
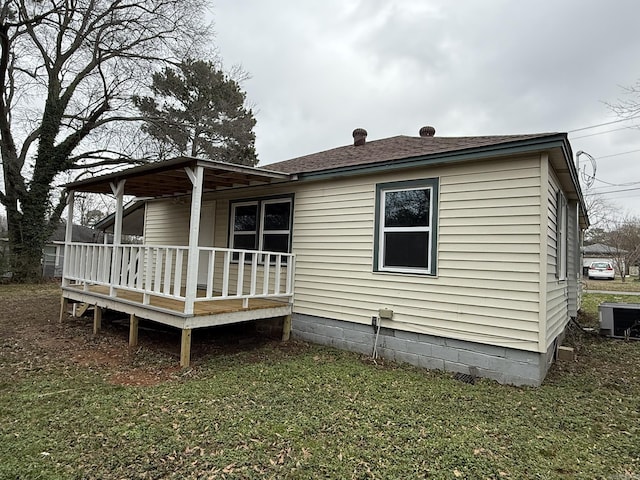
column 601, row 271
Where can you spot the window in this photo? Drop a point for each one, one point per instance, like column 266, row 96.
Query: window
column 405, row 238
column 261, row 225
column 561, row 236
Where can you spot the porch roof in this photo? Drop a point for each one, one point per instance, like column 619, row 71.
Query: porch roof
column 169, row 177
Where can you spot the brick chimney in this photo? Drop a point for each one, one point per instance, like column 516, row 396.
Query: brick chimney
column 359, row 137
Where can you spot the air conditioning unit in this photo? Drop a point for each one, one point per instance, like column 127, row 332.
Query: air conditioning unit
column 620, row 320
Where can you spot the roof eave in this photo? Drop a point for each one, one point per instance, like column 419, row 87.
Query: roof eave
column 475, row 153
column 530, row 145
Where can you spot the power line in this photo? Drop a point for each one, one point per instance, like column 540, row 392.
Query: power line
column 606, row 131
column 617, row 154
column 613, row 191
column 628, row 184
column 603, row 124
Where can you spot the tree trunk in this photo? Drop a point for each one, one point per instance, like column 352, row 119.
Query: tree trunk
column 28, row 233
column 26, row 262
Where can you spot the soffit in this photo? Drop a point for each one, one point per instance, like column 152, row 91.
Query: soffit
column 169, row 178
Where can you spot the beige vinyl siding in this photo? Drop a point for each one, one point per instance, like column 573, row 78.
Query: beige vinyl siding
column 167, row 222
column 557, row 290
column 487, row 285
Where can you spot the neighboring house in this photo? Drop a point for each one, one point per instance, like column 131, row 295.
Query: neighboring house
column 465, row 251
column 53, row 251
column 599, row 252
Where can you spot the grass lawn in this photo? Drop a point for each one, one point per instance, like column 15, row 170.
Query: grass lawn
column 631, row 284
column 263, row 409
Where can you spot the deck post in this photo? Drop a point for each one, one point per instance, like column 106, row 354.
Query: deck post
column 133, row 330
column 286, row 328
column 64, row 305
column 68, row 238
column 185, row 348
column 118, row 191
column 97, row 319
column 196, row 176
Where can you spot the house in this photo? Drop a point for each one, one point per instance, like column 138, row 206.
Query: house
column 53, row 251
column 460, row 254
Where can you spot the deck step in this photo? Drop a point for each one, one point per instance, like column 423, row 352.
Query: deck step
column 81, row 309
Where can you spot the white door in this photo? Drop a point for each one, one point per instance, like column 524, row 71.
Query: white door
column 205, row 237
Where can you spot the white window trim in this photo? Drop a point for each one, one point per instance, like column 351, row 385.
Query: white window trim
column 382, row 230
column 260, row 212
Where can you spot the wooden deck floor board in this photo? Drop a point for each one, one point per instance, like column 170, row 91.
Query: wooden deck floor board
column 202, row 308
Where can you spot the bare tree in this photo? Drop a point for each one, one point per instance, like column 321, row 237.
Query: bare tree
column 630, row 106
column 599, row 209
column 69, row 68
column 623, row 238
column 90, row 208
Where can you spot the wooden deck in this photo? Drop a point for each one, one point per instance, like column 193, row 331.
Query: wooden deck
column 214, row 307
column 170, row 311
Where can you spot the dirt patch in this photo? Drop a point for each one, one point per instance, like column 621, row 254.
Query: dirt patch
column 31, row 337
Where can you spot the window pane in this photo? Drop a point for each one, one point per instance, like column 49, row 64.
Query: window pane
column 276, row 216
column 408, row 208
column 245, row 218
column 276, row 242
column 244, row 242
column 406, row 249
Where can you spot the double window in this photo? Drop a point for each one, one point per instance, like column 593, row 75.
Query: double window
column 405, row 240
column 261, row 225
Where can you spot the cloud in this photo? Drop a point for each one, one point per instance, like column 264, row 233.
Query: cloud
column 322, row 68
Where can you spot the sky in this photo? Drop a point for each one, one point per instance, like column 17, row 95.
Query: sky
column 321, row 68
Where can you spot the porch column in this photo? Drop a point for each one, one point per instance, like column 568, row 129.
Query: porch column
column 118, row 191
column 196, row 176
column 68, row 238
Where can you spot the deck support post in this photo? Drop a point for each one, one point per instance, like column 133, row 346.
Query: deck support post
column 286, row 328
column 185, row 348
column 97, row 319
column 64, row 306
column 196, row 176
column 133, row 330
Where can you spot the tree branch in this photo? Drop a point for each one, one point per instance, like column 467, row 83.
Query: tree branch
column 104, row 163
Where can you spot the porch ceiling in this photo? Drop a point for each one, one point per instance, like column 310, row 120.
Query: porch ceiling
column 169, row 177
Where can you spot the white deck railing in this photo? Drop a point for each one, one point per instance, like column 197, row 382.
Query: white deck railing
column 161, row 271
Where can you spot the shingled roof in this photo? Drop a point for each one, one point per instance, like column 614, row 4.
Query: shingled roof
column 394, row 148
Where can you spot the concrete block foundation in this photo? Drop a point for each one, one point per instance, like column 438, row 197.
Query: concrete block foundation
column 505, row 365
